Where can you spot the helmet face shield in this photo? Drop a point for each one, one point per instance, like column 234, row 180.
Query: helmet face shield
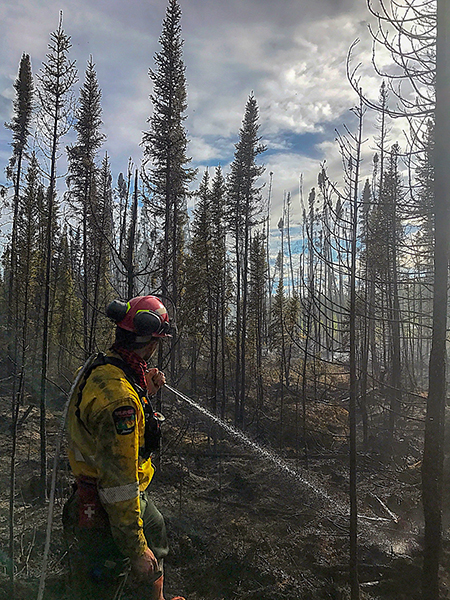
column 146, row 316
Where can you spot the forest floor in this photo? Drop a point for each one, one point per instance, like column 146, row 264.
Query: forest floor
column 242, row 526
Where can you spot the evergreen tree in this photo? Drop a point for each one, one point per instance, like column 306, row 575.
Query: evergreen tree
column 122, row 194
column 26, row 233
column 220, row 283
column 130, row 255
column 423, row 219
column 257, row 309
column 391, row 196
column 277, row 338
column 165, row 146
column 206, row 293
column 67, row 311
column 422, row 208
column 17, row 278
column 198, row 296
column 243, row 207
column 81, row 181
column 368, row 289
column 101, row 233
column 21, row 121
column 28, row 277
column 20, row 127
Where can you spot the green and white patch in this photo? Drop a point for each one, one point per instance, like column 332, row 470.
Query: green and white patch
column 124, row 419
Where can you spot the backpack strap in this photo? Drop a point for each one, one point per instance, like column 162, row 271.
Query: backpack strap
column 152, row 425
column 99, row 360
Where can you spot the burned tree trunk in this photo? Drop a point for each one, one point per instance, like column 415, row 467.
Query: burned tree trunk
column 433, row 456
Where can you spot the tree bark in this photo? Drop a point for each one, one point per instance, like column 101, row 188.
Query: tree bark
column 433, row 456
column 354, row 583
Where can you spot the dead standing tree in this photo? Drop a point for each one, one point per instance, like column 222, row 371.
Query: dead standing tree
column 433, row 457
column 56, row 78
column 416, row 36
column 350, row 147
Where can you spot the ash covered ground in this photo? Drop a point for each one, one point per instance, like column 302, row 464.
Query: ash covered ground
column 240, row 526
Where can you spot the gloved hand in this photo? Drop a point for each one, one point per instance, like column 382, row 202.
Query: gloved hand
column 155, row 380
column 145, row 567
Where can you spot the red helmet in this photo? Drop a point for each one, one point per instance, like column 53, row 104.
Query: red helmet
column 146, row 316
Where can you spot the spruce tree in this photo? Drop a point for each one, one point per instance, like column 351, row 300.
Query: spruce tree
column 422, row 201
column 100, row 226
column 221, row 285
column 368, row 290
column 23, row 109
column 278, row 343
column 67, row 309
column 244, row 203
column 390, row 198
column 165, row 146
column 257, row 309
column 82, row 187
column 20, row 126
column 24, row 281
column 197, row 305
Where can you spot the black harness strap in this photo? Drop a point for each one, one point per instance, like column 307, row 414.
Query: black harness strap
column 152, row 434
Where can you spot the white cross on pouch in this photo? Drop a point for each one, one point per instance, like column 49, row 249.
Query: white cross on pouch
column 89, row 511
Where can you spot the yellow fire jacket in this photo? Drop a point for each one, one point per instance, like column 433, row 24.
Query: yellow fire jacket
column 104, row 442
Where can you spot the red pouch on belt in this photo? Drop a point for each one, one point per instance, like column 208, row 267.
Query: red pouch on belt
column 91, row 514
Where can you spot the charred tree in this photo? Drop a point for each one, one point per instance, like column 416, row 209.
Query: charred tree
column 56, row 79
column 433, row 456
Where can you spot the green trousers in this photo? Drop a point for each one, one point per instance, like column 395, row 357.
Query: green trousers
column 97, row 566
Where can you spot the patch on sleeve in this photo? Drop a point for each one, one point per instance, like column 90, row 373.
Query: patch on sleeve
column 124, row 419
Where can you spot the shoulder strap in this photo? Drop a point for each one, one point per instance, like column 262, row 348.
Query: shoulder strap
column 102, row 359
column 87, row 368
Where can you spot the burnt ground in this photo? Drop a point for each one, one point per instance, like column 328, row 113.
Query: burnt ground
column 242, row 526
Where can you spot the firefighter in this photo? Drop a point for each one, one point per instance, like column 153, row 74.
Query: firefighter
column 112, row 524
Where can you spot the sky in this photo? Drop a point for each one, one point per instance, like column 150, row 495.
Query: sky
column 291, row 54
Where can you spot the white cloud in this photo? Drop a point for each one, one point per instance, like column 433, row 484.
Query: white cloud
column 292, row 173
column 291, row 54
column 205, row 152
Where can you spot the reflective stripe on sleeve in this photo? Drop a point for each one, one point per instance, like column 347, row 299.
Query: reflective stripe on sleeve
column 118, row 494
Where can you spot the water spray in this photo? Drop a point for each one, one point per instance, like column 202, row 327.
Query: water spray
column 339, row 507
column 262, row 452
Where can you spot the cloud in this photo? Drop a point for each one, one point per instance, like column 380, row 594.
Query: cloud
column 210, row 152
column 297, row 73
column 291, row 54
column 6, row 97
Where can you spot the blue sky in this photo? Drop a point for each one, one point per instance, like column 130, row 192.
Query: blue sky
column 290, row 53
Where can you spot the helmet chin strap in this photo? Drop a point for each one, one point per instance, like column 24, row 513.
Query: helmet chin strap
column 145, row 338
